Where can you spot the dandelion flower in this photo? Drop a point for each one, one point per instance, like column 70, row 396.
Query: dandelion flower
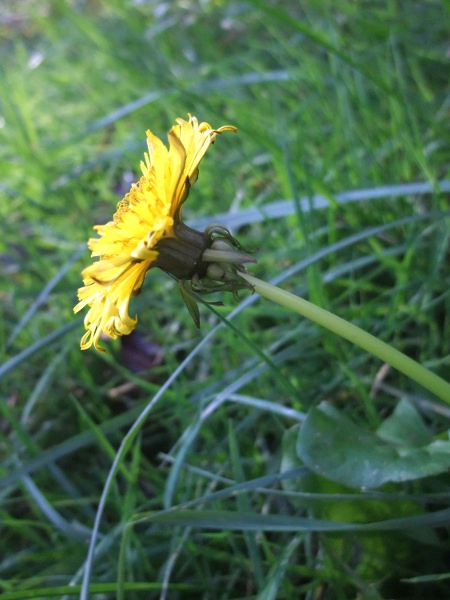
column 146, row 231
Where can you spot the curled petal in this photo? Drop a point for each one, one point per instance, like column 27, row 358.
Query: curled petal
column 109, row 305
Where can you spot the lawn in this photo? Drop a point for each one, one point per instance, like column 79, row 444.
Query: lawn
column 261, row 456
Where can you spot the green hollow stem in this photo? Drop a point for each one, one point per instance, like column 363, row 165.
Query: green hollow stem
column 357, row 336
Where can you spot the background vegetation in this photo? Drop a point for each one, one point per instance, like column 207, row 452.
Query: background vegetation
column 329, row 97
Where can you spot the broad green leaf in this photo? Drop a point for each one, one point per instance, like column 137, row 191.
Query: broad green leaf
column 332, row 501
column 332, row 445
column 405, row 427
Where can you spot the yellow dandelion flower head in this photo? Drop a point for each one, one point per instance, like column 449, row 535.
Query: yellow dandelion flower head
column 127, row 246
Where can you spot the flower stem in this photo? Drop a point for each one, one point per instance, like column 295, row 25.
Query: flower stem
column 357, row 336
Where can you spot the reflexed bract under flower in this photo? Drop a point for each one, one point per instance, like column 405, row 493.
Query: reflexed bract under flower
column 128, row 245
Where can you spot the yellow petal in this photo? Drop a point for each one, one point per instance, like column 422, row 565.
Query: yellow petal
column 127, row 246
column 109, row 305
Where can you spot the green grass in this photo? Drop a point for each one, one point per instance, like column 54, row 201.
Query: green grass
column 329, row 98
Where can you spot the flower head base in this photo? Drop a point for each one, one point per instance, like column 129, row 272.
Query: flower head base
column 146, row 232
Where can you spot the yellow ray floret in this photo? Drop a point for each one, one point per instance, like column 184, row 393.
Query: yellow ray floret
column 127, row 246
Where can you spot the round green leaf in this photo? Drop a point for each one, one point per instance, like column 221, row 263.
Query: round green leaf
column 332, row 445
